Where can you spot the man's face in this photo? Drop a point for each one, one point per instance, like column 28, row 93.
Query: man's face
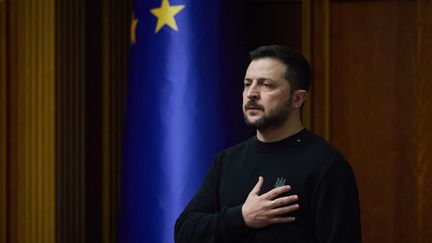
column 266, row 99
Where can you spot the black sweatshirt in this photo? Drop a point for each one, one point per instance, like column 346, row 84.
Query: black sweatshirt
column 316, row 172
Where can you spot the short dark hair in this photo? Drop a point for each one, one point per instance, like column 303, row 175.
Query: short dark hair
column 298, row 70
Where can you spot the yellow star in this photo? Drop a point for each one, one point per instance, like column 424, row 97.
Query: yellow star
column 165, row 15
column 133, row 26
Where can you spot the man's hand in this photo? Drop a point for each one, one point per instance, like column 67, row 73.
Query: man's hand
column 260, row 211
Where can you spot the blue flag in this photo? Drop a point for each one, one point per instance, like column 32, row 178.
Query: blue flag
column 183, row 106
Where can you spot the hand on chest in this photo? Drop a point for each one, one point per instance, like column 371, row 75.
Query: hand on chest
column 236, row 185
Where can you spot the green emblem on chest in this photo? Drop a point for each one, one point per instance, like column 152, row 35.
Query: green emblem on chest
column 280, row 182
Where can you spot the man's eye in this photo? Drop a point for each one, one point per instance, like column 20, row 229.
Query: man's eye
column 247, row 84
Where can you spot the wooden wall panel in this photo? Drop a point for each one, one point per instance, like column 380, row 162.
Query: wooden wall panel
column 78, row 121
column 92, row 65
column 70, row 121
column 379, row 111
column 320, row 28
column 3, row 122
column 52, row 82
column 116, row 36
column 274, row 22
column 31, row 140
column 423, row 121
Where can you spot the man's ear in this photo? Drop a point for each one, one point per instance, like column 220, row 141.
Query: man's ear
column 299, row 98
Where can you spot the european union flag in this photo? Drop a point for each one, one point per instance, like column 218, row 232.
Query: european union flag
column 184, row 106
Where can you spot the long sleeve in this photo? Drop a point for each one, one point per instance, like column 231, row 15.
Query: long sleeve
column 324, row 181
column 204, row 221
column 337, row 205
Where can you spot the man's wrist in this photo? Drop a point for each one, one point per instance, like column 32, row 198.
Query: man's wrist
column 235, row 220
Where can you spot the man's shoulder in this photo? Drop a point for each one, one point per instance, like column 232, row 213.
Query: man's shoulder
column 237, row 148
column 323, row 159
column 322, row 148
column 235, row 151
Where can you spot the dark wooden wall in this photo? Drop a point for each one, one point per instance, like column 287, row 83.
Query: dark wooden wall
column 92, row 50
column 373, row 104
column 63, row 76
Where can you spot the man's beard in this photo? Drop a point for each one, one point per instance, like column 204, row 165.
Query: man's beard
column 275, row 119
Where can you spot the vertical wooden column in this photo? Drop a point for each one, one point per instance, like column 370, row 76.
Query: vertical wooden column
column 31, row 120
column 320, row 56
column 115, row 58
column 78, row 121
column 3, row 128
column 70, row 121
column 107, row 217
column 423, row 137
column 306, row 27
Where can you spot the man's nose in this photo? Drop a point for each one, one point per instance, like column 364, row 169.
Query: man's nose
column 253, row 92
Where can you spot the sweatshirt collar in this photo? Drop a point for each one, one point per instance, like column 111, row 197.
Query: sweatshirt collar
column 286, row 143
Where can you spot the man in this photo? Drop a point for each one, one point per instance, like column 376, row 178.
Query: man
column 285, row 184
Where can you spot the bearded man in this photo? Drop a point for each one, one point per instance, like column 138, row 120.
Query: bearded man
column 285, row 184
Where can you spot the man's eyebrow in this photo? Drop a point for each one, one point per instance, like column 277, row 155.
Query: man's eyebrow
column 261, row 79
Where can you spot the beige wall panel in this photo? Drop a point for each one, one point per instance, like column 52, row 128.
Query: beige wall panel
column 32, row 120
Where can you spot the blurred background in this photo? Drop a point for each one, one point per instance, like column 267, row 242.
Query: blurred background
column 63, row 78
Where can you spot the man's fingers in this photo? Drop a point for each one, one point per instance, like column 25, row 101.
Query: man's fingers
column 258, row 186
column 276, row 192
column 284, row 210
column 284, row 200
column 282, row 220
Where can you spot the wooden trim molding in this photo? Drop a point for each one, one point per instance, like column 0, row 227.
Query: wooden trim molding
column 422, row 137
column 306, row 50
column 321, row 67
column 3, row 125
column 115, row 60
